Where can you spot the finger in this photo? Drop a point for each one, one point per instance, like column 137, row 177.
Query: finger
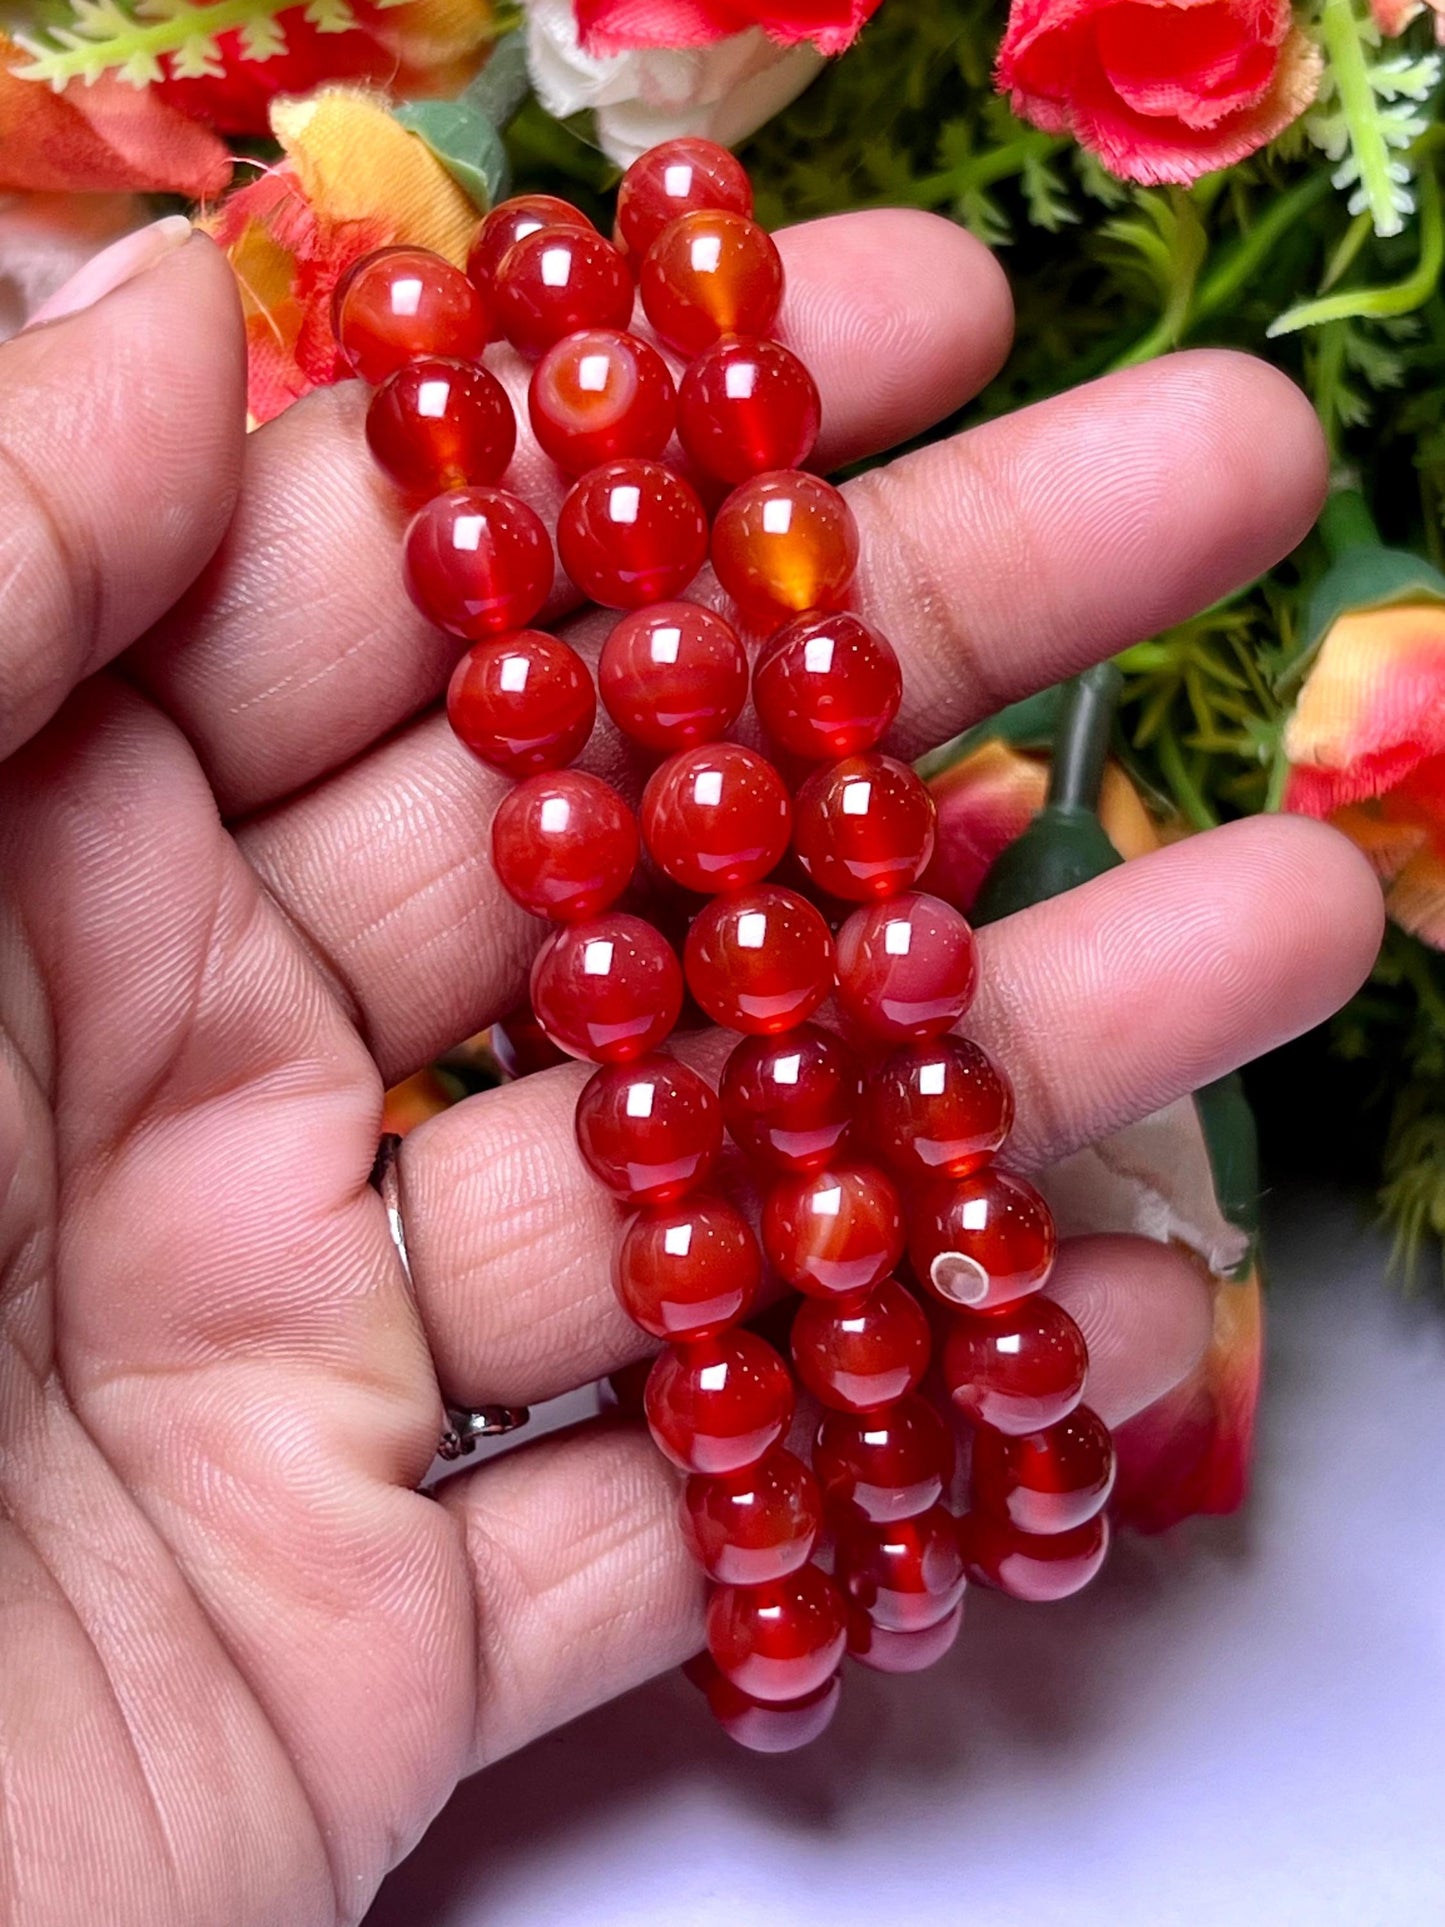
column 583, row 1586
column 1104, row 1005
column 119, row 461
column 999, row 562
column 301, row 648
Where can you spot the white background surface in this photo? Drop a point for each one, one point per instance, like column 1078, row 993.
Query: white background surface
column 1241, row 1723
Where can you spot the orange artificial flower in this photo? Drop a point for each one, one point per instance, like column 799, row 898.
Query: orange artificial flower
column 352, row 180
column 425, row 1094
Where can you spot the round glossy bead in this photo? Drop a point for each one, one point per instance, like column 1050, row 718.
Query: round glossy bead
column 827, row 686
column 789, row 1101
column 716, row 817
column 674, row 178
column 598, row 396
column 864, row 828
column 438, row 425
column 784, row 543
column 510, row 222
column 1049, row 1481
column 609, row 989
column 752, row 1527
column 521, row 1046
column 941, row 1108
column 1030, row 1566
column 688, row 1270
column 779, row 1641
column 885, row 1465
column 745, row 407
column 523, row 703
column 564, row 845
column 1020, row 1369
column 760, row 961
column 720, row 1406
column 889, row 1652
column 780, row 1728
column 559, row 280
column 477, row 562
column 982, row 1241
column 632, row 533
column 906, row 1576
column 406, row 304
column 834, row 1232
column 711, row 273
column 673, row 675
column 907, row 968
column 856, row 1354
column 649, row 1130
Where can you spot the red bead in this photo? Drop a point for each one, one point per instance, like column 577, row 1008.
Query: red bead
column 510, row 222
column 1028, row 1566
column 438, row 425
column 827, row 686
column 785, row 543
column 1049, row 1481
column 747, row 406
column 982, row 1241
column 564, row 846
column 600, row 395
column 674, row 178
column 864, row 828
column 752, row 1527
column 673, row 675
column 760, row 961
column 632, row 533
column 834, row 1232
column 780, row 1728
column 1020, row 1369
column 609, row 989
column 716, row 817
column 789, row 1101
column 406, row 304
column 889, row 1652
column 523, row 703
column 688, row 1270
column 907, row 968
column 906, row 1576
column 711, row 273
column 780, row 1641
column 478, row 562
column 885, row 1465
column 559, row 280
column 937, row 1108
column 720, row 1406
column 521, row 1046
column 650, row 1130
column 856, row 1354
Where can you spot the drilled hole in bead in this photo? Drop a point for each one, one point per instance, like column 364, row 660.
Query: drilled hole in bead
column 958, row 1278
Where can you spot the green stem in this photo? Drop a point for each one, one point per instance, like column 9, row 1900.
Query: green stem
column 1186, row 791
column 1401, row 297
column 1346, row 523
column 1081, row 747
column 1232, row 274
column 145, row 43
column 1343, row 43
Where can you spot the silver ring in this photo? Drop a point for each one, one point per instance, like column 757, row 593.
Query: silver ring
column 464, row 1426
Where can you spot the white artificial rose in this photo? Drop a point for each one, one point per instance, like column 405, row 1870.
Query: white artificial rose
column 652, row 94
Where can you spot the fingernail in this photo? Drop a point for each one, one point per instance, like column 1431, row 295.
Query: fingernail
column 122, row 261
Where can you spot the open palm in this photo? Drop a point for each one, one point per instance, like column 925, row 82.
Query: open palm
column 245, row 886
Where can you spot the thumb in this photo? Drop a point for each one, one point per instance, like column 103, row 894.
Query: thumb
column 122, row 417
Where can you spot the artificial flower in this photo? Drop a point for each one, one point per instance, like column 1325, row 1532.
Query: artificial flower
column 425, row 1094
column 1393, row 16
column 613, row 26
column 105, row 138
column 1164, row 91
column 1191, row 1451
column 724, row 90
column 352, row 180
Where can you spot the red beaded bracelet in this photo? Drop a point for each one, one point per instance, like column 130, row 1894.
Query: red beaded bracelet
column 874, row 1141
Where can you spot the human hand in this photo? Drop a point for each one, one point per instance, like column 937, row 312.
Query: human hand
column 246, row 886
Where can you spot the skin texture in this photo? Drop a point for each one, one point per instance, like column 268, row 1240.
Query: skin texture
column 245, row 885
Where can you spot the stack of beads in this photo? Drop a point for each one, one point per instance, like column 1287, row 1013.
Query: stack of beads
column 873, row 1138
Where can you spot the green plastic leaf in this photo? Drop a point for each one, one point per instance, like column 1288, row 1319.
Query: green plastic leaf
column 1063, row 847
column 1232, row 1141
column 1367, row 577
column 465, row 142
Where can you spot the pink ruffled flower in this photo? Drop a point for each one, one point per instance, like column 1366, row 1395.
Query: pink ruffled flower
column 1393, row 16
column 617, row 26
column 1160, row 90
